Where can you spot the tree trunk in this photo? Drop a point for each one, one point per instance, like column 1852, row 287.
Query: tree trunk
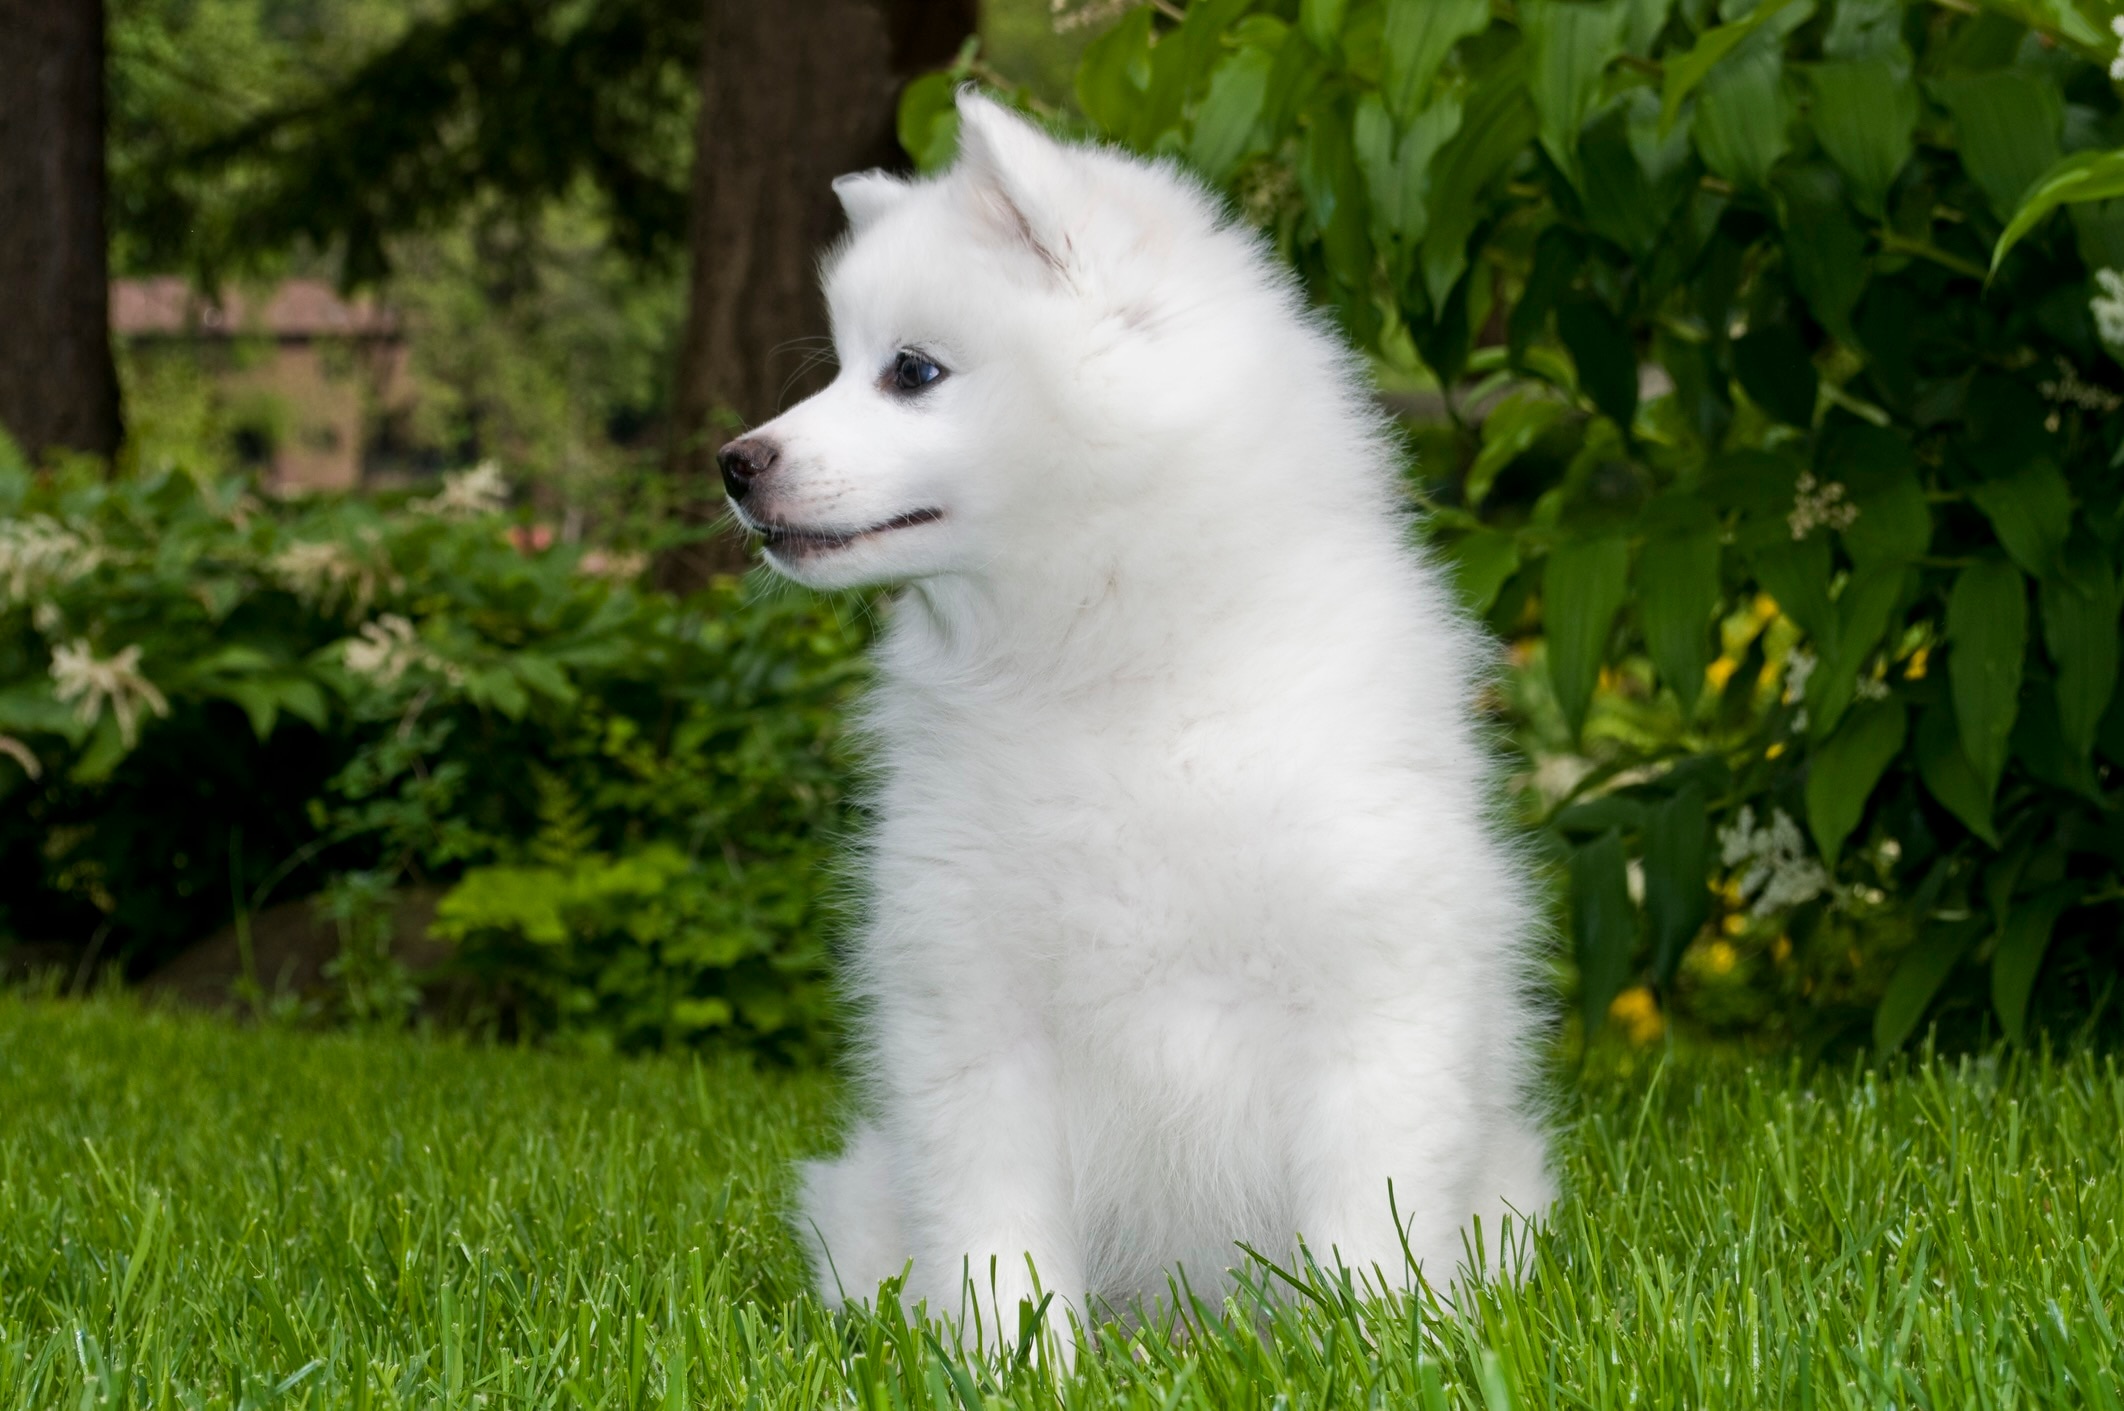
column 793, row 94
column 57, row 386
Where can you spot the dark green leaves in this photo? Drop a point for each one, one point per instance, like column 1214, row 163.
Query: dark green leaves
column 1677, row 587
column 1987, row 627
column 1677, row 871
column 1605, row 357
column 1865, row 113
column 1843, row 771
column 2081, row 603
column 1419, row 35
column 1582, row 586
column 2008, row 124
column 2031, row 512
column 1778, row 371
column 2083, row 176
column 2022, row 943
column 1603, row 925
column 1924, row 968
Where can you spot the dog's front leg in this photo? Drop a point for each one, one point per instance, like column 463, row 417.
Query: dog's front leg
column 990, row 1208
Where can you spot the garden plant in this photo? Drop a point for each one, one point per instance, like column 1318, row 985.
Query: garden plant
column 1782, row 346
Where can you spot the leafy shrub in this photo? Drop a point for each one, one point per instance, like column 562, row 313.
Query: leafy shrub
column 1781, row 435
column 207, row 700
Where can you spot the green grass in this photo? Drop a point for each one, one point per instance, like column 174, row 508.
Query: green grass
column 192, row 1215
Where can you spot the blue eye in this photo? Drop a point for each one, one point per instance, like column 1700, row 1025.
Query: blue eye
column 911, row 372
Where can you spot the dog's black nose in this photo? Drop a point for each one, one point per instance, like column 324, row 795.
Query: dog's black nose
column 743, row 462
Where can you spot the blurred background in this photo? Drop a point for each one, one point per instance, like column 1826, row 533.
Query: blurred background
column 371, row 651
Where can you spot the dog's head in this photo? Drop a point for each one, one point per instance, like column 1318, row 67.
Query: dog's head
column 986, row 322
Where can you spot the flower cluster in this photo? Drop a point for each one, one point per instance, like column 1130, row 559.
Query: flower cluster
column 2108, row 307
column 2116, row 65
column 467, row 493
column 1067, row 15
column 39, row 552
column 388, row 648
column 78, row 675
column 323, row 573
column 1819, row 505
column 1776, row 873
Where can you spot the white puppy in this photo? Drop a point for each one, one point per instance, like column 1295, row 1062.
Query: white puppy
column 1185, row 923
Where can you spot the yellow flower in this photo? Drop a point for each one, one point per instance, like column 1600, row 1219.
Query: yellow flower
column 1915, row 671
column 1775, row 750
column 1764, row 607
column 1637, row 1011
column 1719, row 672
column 1781, row 949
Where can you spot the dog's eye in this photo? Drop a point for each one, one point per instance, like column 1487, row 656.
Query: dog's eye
column 911, row 372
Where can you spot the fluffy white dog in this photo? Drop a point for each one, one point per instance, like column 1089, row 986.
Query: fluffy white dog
column 1185, row 922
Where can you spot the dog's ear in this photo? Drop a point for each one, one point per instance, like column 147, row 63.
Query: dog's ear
column 1020, row 175
column 866, row 195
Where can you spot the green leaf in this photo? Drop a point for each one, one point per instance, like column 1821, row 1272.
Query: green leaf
column 1797, row 576
column 1398, row 175
column 1862, row 612
column 1917, row 979
column 1115, row 72
column 1683, row 72
column 1603, row 926
column 1841, row 773
column 1481, row 563
column 2008, row 123
column 2080, row 609
column 1418, row 36
column 928, row 121
column 1582, row 586
column 2023, row 941
column 1226, row 119
column 1511, row 428
column 2031, row 512
column 1334, row 195
column 1778, row 372
column 1321, row 20
column 1825, row 248
column 1875, row 467
column 1949, row 776
column 1604, row 356
column 1987, row 627
column 1677, row 588
column 1677, row 866
column 1865, row 113
column 1569, row 44
column 1632, row 178
column 1498, row 124
column 1743, row 118
column 2083, row 176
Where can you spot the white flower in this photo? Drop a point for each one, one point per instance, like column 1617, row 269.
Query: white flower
column 2116, row 65
column 1776, row 871
column 480, row 490
column 15, row 750
column 320, row 572
column 113, row 681
column 1798, row 667
column 2108, row 307
column 39, row 552
column 388, row 648
column 1817, row 506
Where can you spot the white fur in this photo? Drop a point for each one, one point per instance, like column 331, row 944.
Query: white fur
column 1185, row 921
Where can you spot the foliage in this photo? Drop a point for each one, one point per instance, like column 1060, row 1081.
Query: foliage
column 1781, row 349
column 206, row 700
column 196, row 1215
column 511, row 100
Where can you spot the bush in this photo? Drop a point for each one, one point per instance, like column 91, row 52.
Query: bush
column 1781, row 438
column 207, row 700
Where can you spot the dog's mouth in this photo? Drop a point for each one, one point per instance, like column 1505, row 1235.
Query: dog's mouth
column 793, row 541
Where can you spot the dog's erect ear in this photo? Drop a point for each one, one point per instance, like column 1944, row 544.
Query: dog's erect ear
column 1020, row 173
column 866, row 195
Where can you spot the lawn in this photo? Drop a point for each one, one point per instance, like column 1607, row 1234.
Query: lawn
column 196, row 1215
